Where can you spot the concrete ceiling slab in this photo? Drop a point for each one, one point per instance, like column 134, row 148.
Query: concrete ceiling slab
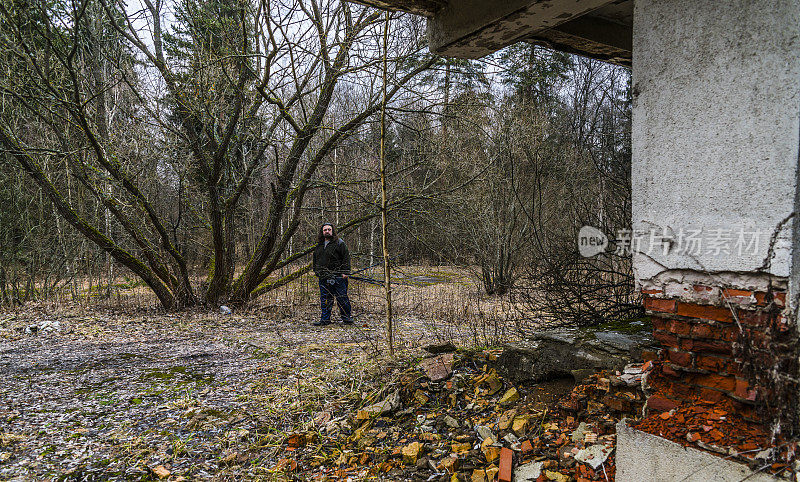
column 475, row 28
column 427, row 8
column 472, row 29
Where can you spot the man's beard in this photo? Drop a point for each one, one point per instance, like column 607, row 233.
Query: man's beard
column 327, row 236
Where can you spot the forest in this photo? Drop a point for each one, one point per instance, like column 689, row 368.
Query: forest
column 196, row 148
column 166, row 168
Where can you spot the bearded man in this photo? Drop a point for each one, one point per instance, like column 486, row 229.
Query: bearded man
column 332, row 267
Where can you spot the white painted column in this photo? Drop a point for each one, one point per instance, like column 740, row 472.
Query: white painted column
column 716, row 128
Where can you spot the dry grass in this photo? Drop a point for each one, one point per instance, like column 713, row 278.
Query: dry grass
column 443, row 302
column 131, row 375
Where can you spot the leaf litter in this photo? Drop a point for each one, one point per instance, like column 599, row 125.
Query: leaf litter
column 206, row 395
column 151, row 395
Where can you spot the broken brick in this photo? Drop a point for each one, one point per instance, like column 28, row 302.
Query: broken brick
column 707, row 346
column 711, row 363
column 659, row 323
column 743, row 390
column 703, row 330
column 506, row 459
column 710, row 395
column 716, row 381
column 658, row 304
column 681, row 358
column 669, row 371
column 666, row 339
column 680, row 327
column 734, row 293
column 705, row 312
column 439, row 367
column 661, row 404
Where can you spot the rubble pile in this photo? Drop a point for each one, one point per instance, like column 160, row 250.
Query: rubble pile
column 455, row 419
column 715, row 426
column 619, row 393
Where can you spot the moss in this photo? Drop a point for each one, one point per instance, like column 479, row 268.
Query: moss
column 180, row 373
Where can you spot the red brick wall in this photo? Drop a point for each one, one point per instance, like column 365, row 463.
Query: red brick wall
column 719, row 348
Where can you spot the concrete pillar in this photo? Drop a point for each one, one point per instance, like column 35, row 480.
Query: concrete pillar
column 716, row 131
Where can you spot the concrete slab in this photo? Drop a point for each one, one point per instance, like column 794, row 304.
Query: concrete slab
column 642, row 457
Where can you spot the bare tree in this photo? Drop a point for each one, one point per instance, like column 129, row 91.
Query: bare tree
column 236, row 96
column 593, row 188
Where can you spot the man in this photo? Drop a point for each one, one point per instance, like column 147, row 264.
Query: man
column 332, row 267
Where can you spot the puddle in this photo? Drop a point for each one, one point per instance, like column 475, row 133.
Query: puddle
column 131, row 356
column 422, row 279
column 545, row 394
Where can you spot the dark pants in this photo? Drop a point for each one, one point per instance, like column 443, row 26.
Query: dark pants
column 338, row 290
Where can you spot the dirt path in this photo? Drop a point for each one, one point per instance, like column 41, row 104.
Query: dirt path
column 203, row 395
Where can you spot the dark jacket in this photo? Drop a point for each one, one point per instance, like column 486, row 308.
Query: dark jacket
column 331, row 261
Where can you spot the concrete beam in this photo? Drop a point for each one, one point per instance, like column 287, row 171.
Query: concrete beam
column 427, row 8
column 590, row 36
column 599, row 31
column 475, row 28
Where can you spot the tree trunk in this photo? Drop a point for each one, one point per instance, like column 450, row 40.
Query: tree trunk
column 387, row 276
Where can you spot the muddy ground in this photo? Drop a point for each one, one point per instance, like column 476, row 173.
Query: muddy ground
column 112, row 396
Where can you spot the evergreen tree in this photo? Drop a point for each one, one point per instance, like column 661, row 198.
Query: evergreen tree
column 533, row 73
